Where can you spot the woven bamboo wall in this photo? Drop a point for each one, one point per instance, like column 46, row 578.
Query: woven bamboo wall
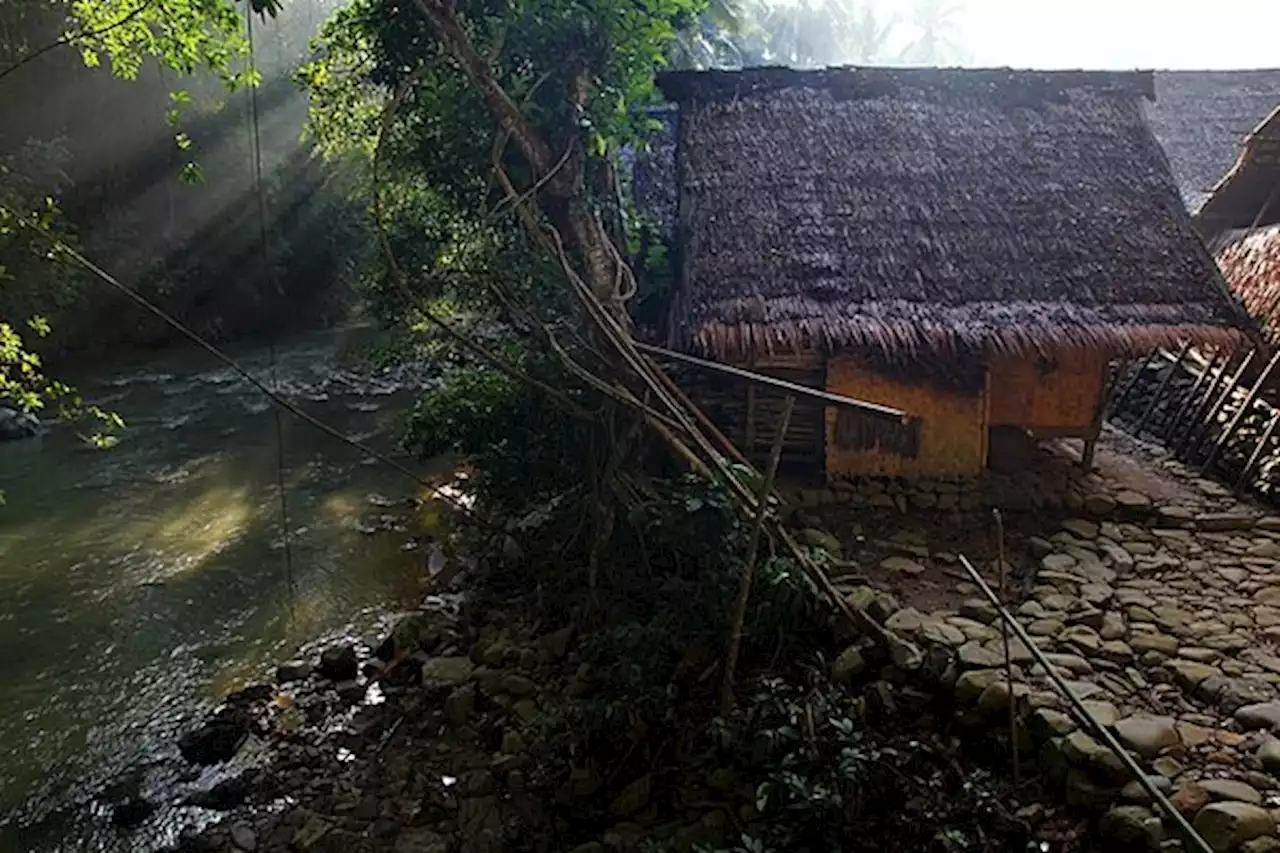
column 1058, row 399
column 952, row 439
column 749, row 413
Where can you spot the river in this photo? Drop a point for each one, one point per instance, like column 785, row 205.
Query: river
column 140, row 584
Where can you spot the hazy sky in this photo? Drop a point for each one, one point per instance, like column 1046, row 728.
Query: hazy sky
column 1116, row 33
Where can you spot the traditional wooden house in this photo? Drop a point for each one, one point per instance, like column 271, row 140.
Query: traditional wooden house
column 1199, row 117
column 1240, row 221
column 969, row 246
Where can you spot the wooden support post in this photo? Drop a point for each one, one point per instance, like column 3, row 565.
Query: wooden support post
column 1240, row 412
column 1243, row 479
column 1008, row 655
column 1111, row 380
column 1160, row 389
column 749, row 569
column 1174, row 421
column 751, row 418
column 1133, row 379
column 1202, row 428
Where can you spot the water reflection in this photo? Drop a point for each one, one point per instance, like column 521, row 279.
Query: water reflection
column 139, row 585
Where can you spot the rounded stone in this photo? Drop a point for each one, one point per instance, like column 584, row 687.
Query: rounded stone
column 1227, row 825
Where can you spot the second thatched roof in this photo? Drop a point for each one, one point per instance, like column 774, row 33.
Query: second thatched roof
column 922, row 209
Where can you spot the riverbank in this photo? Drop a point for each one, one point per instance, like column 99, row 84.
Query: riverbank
column 475, row 728
column 142, row 584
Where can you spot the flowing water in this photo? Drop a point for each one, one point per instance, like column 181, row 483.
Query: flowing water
column 140, row 584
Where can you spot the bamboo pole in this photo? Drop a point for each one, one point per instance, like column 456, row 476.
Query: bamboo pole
column 1008, row 653
column 749, row 568
column 1212, row 414
column 1172, row 423
column 1197, row 413
column 1240, row 412
column 1134, row 377
column 1157, row 796
column 1257, row 451
column 781, row 384
column 1160, row 389
column 1111, row 380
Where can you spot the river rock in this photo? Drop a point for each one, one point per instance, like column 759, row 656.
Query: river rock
column 294, row 670
column 1083, row 751
column 1147, row 736
column 339, row 663
column 1227, row 825
column 420, row 840
column 243, row 838
column 1269, row 754
column 903, row 565
column 1128, row 825
column 633, row 797
column 132, row 813
column 1189, row 799
column 1263, row 715
column 1151, row 641
column 218, row 739
column 16, row 425
column 848, row 666
column 447, row 671
column 1230, row 789
column 225, row 795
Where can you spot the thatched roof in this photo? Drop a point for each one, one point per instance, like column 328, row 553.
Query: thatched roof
column 1249, row 195
column 921, row 209
column 1250, row 260
column 1200, row 118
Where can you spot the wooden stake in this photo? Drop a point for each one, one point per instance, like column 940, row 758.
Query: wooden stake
column 1099, row 731
column 1133, row 379
column 1210, row 392
column 1240, row 412
column 1257, row 451
column 1008, row 653
column 1212, row 414
column 1160, row 389
column 749, row 569
column 1174, row 421
column 1110, row 381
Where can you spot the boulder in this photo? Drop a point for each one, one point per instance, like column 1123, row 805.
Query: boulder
column 1227, row 825
column 217, row 739
column 339, row 663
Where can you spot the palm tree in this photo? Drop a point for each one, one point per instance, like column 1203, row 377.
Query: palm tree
column 937, row 40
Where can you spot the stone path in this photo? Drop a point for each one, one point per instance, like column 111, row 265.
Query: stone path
column 1164, row 614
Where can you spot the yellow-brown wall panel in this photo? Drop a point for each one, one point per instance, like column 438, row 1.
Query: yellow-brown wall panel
column 1063, row 399
column 953, row 440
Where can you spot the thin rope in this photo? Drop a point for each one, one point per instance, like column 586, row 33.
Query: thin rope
column 269, row 393
column 268, row 269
